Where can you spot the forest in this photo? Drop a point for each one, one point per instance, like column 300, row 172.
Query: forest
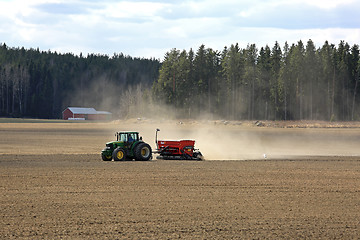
column 294, row 82
column 38, row 84
column 290, row 82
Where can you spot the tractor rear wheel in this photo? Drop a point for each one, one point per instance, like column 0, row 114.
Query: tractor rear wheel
column 119, row 154
column 142, row 152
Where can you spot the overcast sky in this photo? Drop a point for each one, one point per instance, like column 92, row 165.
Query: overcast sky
column 151, row 28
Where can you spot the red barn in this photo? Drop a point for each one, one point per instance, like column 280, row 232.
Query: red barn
column 77, row 113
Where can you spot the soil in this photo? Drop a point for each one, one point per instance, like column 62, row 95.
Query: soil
column 54, row 184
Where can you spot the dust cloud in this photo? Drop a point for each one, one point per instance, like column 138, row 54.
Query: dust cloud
column 224, row 142
column 269, row 143
column 136, row 111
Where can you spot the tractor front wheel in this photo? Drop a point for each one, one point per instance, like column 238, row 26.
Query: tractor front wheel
column 142, row 152
column 106, row 157
column 119, row 154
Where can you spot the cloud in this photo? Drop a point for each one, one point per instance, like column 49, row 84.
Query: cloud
column 328, row 4
column 150, row 28
column 61, row 8
column 298, row 16
column 132, row 9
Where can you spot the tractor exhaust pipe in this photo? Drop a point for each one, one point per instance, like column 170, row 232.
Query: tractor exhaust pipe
column 156, row 142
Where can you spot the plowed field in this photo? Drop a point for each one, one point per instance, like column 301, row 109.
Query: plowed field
column 55, row 186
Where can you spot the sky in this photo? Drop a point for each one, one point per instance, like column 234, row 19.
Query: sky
column 149, row 29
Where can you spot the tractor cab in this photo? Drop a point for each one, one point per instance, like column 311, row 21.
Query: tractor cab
column 127, row 137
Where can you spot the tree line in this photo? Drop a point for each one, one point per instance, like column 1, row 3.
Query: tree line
column 41, row 84
column 293, row 82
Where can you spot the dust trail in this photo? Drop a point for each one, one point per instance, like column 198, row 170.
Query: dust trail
column 272, row 143
column 251, row 143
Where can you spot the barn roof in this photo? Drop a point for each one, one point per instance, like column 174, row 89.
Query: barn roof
column 78, row 110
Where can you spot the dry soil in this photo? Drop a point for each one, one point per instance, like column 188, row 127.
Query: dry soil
column 55, row 186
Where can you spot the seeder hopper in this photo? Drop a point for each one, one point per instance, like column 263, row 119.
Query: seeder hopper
column 177, row 150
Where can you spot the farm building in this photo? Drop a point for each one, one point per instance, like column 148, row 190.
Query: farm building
column 77, row 113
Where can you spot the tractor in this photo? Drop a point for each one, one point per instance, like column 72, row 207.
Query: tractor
column 128, row 146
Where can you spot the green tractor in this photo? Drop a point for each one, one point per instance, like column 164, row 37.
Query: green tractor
column 128, row 146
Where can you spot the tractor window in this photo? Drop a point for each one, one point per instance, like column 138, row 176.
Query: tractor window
column 123, row 137
column 133, row 137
